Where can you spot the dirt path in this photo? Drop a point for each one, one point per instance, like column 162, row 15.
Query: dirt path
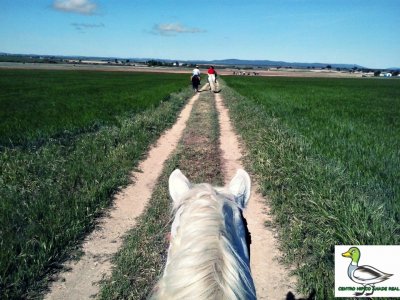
column 270, row 277
column 81, row 279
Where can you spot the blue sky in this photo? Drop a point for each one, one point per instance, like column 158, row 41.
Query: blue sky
column 363, row 32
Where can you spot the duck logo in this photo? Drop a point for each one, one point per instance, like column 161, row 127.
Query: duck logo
column 377, row 274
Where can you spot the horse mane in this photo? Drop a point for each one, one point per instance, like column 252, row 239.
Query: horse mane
column 202, row 262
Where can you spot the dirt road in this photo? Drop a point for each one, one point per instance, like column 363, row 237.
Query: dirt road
column 271, row 278
column 81, row 281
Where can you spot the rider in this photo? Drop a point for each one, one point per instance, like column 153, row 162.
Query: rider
column 195, row 78
column 211, row 78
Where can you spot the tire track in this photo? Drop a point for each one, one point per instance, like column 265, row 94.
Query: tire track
column 271, row 278
column 81, row 278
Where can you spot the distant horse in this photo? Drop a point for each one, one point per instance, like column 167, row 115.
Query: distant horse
column 195, row 82
column 208, row 255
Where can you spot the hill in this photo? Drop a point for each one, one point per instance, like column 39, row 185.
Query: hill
column 270, row 63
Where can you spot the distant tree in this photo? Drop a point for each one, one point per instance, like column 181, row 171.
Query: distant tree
column 338, row 69
column 395, row 73
column 377, row 73
column 154, row 63
column 329, row 67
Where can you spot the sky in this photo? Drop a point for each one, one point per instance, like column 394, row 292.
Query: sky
column 363, row 32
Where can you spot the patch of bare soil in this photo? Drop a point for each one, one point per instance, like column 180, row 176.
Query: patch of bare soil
column 271, row 278
column 81, row 279
column 183, row 70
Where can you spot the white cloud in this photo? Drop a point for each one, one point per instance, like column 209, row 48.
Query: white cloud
column 173, row 29
column 85, row 7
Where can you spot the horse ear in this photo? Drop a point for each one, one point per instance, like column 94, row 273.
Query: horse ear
column 240, row 187
column 178, row 185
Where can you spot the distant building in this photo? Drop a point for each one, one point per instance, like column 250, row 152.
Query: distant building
column 386, row 74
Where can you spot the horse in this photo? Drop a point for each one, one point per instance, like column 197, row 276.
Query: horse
column 208, row 256
column 195, row 82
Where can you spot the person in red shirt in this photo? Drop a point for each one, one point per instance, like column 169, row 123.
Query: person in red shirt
column 212, row 78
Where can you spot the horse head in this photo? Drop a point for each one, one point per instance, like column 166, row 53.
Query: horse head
column 208, row 255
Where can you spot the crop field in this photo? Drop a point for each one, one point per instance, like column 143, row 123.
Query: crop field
column 36, row 105
column 68, row 142
column 326, row 152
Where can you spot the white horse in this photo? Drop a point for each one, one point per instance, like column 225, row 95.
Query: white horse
column 208, row 255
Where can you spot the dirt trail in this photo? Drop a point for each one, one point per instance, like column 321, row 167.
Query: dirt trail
column 81, row 279
column 270, row 277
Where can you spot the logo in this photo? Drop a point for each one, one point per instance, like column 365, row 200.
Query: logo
column 367, row 271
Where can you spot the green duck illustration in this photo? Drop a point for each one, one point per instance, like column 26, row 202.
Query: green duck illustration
column 365, row 275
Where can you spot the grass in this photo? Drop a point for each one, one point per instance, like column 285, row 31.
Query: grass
column 39, row 104
column 325, row 152
column 140, row 261
column 50, row 195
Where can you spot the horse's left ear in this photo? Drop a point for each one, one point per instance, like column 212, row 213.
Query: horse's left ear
column 240, row 187
column 178, row 185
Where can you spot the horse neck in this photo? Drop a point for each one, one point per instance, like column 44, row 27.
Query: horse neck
column 202, row 260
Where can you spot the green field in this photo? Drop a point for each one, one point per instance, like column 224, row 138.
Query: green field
column 36, row 105
column 80, row 135
column 326, row 152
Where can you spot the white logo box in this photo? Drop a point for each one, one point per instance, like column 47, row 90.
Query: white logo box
column 383, row 258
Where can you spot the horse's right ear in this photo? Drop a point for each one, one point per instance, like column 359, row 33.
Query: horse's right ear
column 178, row 185
column 240, row 187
